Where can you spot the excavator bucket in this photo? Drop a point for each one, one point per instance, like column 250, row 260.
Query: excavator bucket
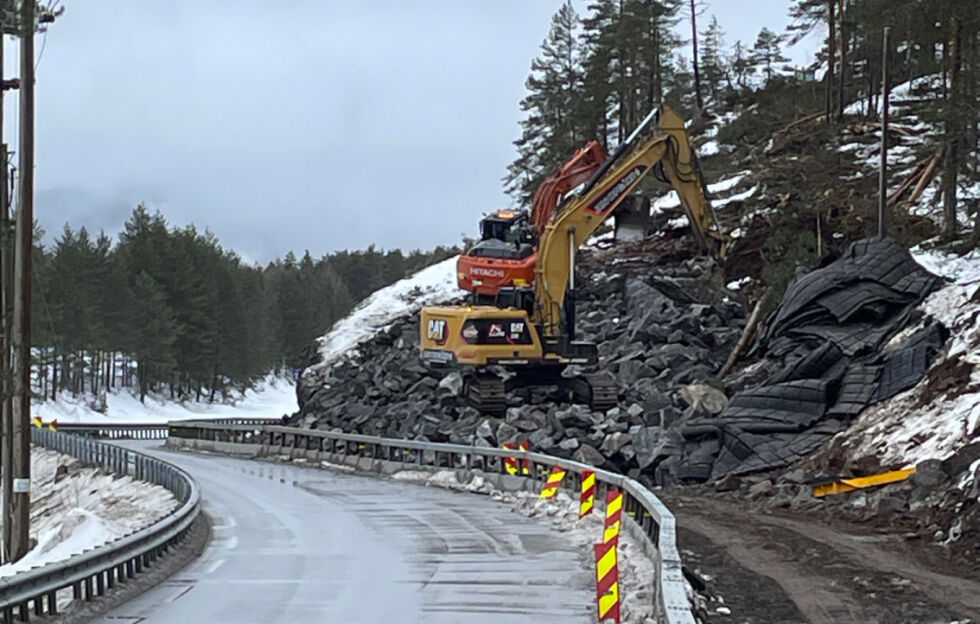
column 632, row 219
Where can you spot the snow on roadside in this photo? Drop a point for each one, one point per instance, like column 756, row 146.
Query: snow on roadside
column 83, row 509
column 900, row 430
column 636, row 570
column 431, row 286
column 272, row 397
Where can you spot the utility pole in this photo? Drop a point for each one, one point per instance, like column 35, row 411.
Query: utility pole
column 883, row 217
column 6, row 298
column 21, row 469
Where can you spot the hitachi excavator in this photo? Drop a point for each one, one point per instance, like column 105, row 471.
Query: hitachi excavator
column 505, row 256
column 531, row 330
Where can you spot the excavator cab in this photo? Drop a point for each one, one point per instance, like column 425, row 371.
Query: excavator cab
column 503, row 257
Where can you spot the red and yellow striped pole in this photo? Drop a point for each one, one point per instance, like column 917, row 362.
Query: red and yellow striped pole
column 554, row 480
column 614, row 515
column 525, row 463
column 607, row 581
column 510, row 463
column 587, row 501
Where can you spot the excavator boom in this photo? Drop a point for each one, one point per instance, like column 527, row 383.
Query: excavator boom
column 579, row 217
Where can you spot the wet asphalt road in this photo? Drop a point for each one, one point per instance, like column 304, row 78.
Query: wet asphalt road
column 293, row 544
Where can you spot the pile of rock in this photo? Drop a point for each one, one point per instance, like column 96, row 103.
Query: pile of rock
column 661, row 331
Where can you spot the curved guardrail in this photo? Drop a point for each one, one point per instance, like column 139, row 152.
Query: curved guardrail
column 145, row 431
column 91, row 573
column 648, row 514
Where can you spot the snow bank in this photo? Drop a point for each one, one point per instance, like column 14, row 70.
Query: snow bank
column 434, row 285
column 84, row 509
column 901, row 431
column 272, row 397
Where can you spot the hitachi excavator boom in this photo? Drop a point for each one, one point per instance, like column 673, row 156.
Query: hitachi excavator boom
column 535, row 333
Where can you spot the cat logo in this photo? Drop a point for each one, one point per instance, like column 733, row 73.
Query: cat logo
column 437, row 331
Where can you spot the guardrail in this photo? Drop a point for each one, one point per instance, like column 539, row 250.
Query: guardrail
column 91, row 573
column 144, row 431
column 647, row 513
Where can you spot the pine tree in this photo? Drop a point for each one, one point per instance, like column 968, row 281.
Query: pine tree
column 552, row 129
column 767, row 52
column 156, row 333
column 713, row 63
column 742, row 66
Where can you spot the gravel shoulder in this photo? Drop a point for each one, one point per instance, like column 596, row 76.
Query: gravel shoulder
column 775, row 567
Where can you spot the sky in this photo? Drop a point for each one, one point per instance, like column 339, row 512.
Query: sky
column 313, row 125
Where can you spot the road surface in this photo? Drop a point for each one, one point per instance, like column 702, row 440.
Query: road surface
column 294, row 544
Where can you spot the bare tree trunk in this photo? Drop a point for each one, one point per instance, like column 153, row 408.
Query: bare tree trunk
column 953, row 128
column 843, row 62
column 831, row 52
column 694, row 50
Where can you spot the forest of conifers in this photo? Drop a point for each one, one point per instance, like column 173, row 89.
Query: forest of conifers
column 169, row 310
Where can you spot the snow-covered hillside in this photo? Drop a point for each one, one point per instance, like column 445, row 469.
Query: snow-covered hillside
column 941, row 414
column 272, row 398
column 433, row 285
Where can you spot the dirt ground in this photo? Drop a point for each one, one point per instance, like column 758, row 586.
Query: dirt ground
column 774, row 567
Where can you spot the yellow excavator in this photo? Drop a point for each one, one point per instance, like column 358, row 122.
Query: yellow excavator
column 532, row 330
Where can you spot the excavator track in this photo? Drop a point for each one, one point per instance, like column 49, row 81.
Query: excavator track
column 487, row 393
column 596, row 390
column 604, row 394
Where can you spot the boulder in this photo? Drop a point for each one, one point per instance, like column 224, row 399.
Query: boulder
column 928, row 474
column 960, row 461
column 614, row 442
column 451, row 385
column 702, row 395
column 589, row 455
column 646, row 443
column 569, row 444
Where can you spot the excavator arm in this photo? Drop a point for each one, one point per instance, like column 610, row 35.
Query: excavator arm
column 579, row 217
column 573, row 173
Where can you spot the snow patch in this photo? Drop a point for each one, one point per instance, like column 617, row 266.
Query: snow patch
column 900, row 430
column 709, row 149
column 272, row 397
column 84, row 509
column 433, row 285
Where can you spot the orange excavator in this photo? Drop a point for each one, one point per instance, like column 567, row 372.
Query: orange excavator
column 506, row 255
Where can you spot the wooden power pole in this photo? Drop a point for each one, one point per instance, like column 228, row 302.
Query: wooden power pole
column 6, row 299
column 21, row 340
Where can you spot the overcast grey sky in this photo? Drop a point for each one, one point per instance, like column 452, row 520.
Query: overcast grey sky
column 308, row 124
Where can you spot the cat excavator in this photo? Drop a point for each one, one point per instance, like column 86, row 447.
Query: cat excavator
column 531, row 330
column 505, row 256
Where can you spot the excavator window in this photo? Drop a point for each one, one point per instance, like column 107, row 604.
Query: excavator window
column 494, row 248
